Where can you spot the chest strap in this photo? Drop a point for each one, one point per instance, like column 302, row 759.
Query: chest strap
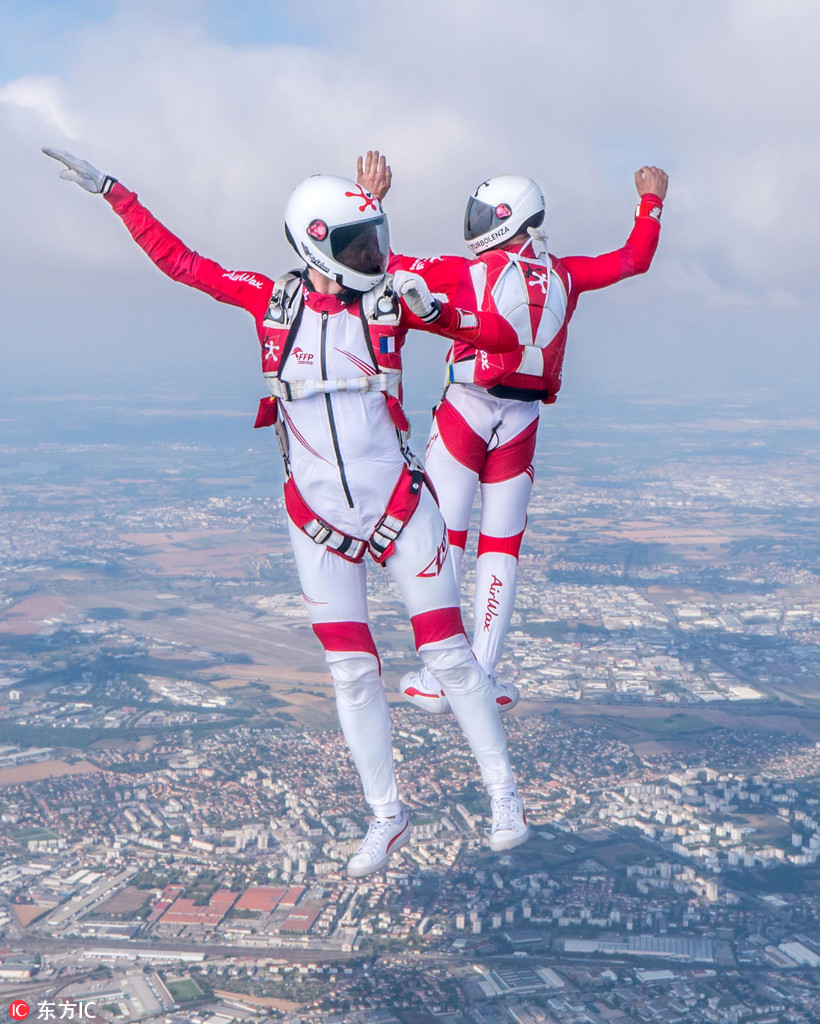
column 382, row 542
column 291, row 390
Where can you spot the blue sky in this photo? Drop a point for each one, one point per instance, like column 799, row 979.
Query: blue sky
column 213, row 111
column 41, row 36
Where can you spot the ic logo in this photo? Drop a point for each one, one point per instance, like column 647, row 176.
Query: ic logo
column 19, row 1009
column 318, row 229
column 502, row 211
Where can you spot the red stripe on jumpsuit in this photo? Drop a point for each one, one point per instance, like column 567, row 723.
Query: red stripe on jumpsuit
column 457, row 538
column 438, row 624
column 462, row 442
column 501, row 545
column 510, row 459
column 346, row 636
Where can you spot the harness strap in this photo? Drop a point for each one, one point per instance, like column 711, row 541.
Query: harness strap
column 291, row 390
column 400, row 509
column 287, row 290
column 350, row 548
column 382, row 542
column 519, row 394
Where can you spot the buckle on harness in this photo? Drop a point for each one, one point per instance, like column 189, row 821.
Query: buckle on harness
column 386, row 533
column 302, row 515
column 381, row 543
column 404, row 500
column 341, row 544
column 319, row 532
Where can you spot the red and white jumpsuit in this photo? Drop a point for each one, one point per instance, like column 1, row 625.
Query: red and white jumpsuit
column 484, row 429
column 346, row 458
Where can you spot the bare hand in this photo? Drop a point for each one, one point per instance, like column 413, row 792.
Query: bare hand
column 374, row 174
column 652, row 179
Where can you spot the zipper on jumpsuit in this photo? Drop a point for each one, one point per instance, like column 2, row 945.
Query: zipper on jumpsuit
column 329, row 405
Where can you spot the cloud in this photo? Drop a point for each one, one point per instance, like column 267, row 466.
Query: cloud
column 214, row 130
column 42, row 97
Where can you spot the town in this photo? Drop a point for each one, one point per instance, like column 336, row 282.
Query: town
column 178, row 805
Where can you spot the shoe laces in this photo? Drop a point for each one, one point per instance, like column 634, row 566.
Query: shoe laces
column 376, row 833
column 506, row 812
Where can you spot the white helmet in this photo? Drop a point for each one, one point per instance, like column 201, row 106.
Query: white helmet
column 500, row 208
column 339, row 229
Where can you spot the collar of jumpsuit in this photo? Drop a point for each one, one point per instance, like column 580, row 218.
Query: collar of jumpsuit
column 322, row 303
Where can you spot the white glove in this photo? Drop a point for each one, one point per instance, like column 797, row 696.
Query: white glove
column 418, row 298
column 83, row 173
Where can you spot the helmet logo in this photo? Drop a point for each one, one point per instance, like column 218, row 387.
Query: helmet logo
column 317, row 229
column 369, row 200
column 502, row 211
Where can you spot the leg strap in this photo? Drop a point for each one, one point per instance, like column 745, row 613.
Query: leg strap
column 320, row 532
column 382, row 543
column 403, row 503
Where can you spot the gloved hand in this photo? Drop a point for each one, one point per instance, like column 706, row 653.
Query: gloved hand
column 418, row 298
column 83, row 173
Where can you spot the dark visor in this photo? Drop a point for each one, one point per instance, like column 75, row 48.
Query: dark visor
column 479, row 218
column 362, row 246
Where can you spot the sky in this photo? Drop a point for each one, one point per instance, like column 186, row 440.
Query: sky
column 213, row 111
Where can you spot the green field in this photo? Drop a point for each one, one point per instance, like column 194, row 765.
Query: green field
column 184, row 990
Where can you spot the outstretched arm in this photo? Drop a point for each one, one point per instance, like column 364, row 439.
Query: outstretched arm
column 448, row 314
column 590, row 272
column 237, row 288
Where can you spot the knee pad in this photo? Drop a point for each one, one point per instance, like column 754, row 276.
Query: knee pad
column 453, row 664
column 356, row 677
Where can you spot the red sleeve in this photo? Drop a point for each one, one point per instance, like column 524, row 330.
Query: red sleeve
column 442, row 274
column 237, row 288
column 461, row 318
column 590, row 272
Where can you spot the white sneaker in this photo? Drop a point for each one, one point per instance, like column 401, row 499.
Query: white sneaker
column 385, row 836
column 510, row 827
column 420, row 688
column 506, row 694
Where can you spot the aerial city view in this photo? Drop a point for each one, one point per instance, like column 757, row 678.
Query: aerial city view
column 178, row 804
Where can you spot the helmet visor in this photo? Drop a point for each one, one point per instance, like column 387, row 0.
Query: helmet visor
column 480, row 218
column 362, row 246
